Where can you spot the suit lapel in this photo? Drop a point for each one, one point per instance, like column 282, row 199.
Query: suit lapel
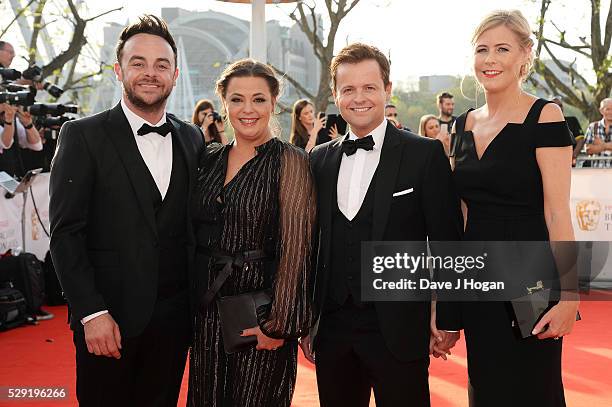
column 386, row 175
column 331, row 167
column 120, row 133
column 186, row 148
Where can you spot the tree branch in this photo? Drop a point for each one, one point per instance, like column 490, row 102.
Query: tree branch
column 298, row 86
column 36, row 27
column 76, row 43
column 103, row 14
column 568, row 69
column 608, row 35
column 555, row 83
column 351, row 6
column 540, row 32
column 19, row 14
column 596, row 34
column 70, row 85
column 576, row 48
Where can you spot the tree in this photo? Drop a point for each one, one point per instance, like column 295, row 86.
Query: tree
column 305, row 17
column 579, row 93
column 75, row 45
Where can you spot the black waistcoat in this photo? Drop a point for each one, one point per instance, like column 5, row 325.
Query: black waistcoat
column 171, row 223
column 347, row 235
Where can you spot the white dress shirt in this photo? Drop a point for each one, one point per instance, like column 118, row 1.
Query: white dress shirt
column 356, row 173
column 156, row 151
column 22, row 138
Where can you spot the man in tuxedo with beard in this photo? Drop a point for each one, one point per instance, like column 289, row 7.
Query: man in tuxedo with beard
column 377, row 183
column 120, row 233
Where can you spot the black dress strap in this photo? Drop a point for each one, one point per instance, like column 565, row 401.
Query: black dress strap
column 534, row 115
column 456, row 135
column 460, row 121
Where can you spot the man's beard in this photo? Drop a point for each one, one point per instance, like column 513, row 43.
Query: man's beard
column 448, row 112
column 142, row 104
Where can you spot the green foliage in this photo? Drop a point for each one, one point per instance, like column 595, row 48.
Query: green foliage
column 412, row 105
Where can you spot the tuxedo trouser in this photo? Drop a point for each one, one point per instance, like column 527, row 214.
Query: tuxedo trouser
column 352, row 359
column 150, row 370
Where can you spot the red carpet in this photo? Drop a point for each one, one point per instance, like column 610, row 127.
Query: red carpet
column 43, row 356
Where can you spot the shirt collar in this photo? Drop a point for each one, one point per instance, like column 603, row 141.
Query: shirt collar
column 136, row 121
column 602, row 123
column 378, row 134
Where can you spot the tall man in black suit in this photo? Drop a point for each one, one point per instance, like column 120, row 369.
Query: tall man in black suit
column 120, row 235
column 377, row 183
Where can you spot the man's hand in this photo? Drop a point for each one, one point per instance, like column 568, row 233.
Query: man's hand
column 9, row 112
column 306, row 345
column 445, row 140
column 440, row 346
column 597, row 146
column 103, row 337
column 24, row 117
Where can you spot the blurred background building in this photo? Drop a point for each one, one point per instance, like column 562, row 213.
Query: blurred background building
column 207, row 42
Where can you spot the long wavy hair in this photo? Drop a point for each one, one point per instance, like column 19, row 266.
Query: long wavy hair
column 204, row 104
column 299, row 134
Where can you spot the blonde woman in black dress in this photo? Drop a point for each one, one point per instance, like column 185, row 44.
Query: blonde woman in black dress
column 254, row 194
column 512, row 169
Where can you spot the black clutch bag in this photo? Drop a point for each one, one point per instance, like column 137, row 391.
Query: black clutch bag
column 529, row 309
column 237, row 313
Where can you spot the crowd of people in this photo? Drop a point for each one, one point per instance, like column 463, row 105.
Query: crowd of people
column 168, row 237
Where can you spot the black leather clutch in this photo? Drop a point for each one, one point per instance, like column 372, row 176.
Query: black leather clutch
column 529, row 309
column 237, row 313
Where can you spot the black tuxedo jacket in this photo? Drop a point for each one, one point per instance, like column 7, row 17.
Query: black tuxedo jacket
column 431, row 210
column 103, row 229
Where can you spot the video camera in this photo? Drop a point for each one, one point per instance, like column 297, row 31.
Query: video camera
column 52, row 123
column 49, row 116
column 52, row 109
column 20, row 98
column 34, row 74
column 13, row 93
column 9, row 74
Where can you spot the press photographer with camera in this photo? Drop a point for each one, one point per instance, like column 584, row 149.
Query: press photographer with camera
column 7, row 53
column 211, row 122
column 48, row 119
column 16, row 123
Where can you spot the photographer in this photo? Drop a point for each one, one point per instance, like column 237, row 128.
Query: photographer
column 7, row 53
column 210, row 122
column 598, row 138
column 15, row 122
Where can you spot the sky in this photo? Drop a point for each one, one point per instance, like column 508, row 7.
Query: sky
column 430, row 37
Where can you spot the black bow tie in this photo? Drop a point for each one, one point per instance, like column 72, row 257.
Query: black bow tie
column 161, row 130
column 349, row 147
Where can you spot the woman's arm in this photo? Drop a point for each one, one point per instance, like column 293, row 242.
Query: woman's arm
column 319, row 123
column 33, row 140
column 289, row 315
column 555, row 165
column 8, row 128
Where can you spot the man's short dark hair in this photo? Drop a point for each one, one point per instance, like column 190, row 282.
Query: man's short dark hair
column 388, row 105
column 444, row 95
column 146, row 24
column 2, row 44
column 358, row 52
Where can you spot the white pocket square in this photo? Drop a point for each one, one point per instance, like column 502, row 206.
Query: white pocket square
column 404, row 192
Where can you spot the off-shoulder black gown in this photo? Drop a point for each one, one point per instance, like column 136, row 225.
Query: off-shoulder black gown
column 269, row 205
column 505, row 200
